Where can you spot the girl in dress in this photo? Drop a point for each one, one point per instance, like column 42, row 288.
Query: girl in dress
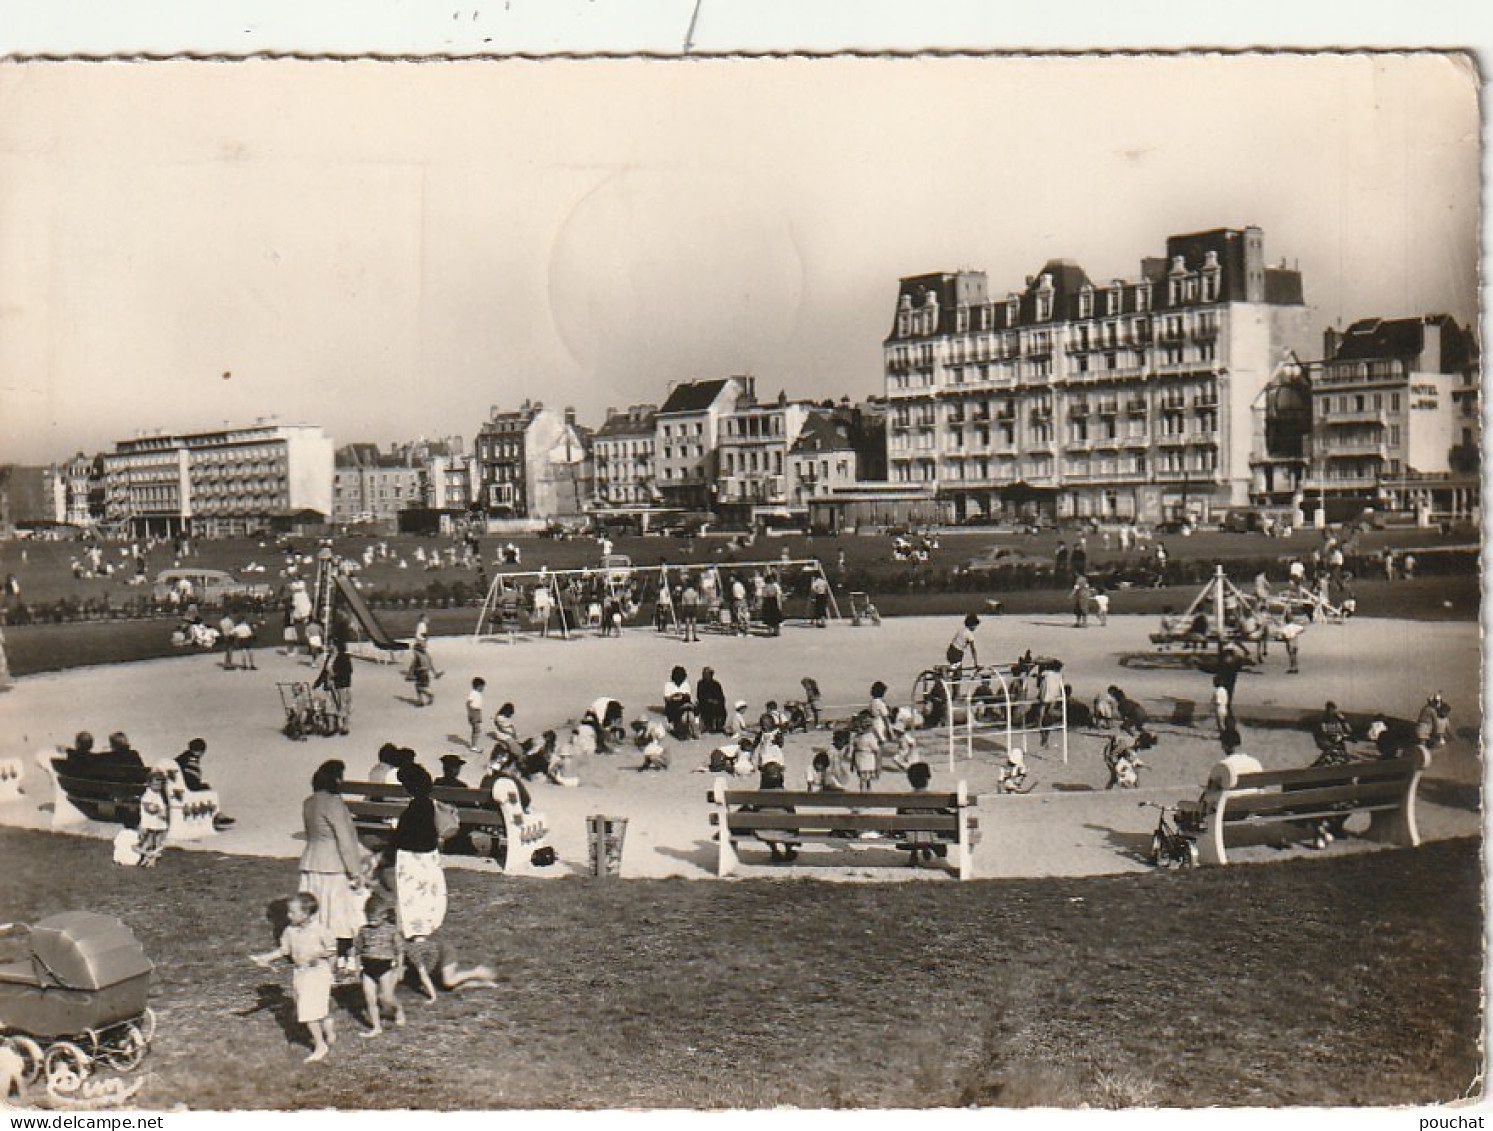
column 155, row 815
column 310, row 948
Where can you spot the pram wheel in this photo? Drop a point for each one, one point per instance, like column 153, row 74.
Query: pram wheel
column 125, row 1053
column 32, row 1058
column 147, row 1026
column 67, row 1067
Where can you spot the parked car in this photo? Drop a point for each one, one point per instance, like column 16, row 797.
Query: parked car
column 618, row 567
column 208, row 586
column 999, row 557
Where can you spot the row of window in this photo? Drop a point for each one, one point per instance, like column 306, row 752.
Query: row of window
column 1353, row 403
column 733, row 463
column 755, row 426
column 684, row 428
column 623, row 449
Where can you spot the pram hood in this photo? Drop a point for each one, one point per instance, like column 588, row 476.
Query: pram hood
column 83, row 950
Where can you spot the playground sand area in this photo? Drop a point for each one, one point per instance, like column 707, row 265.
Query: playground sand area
column 1069, row 825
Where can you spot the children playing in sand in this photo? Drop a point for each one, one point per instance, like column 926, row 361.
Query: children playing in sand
column 309, row 947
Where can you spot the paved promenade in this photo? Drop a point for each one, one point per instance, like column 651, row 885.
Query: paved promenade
column 1068, row 826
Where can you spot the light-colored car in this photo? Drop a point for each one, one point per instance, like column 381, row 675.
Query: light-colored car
column 208, row 586
column 618, row 567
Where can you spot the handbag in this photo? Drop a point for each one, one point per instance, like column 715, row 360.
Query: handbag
column 447, row 822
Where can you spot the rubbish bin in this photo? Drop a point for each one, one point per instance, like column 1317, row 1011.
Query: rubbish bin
column 605, row 836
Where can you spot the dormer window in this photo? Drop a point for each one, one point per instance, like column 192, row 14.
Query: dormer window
column 1086, row 302
column 1044, row 298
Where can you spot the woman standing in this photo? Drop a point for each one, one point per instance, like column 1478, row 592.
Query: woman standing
column 332, row 863
column 420, row 885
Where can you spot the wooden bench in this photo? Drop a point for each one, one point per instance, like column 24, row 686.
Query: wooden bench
column 1385, row 789
column 945, row 820
column 110, row 791
column 493, row 822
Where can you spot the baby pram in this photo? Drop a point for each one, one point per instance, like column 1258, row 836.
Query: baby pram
column 306, row 711
column 74, row 997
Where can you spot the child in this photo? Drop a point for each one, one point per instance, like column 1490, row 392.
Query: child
column 1106, row 710
column 1014, row 773
column 772, row 719
column 811, row 698
column 506, row 732
column 1101, row 604
column 155, row 814
column 421, row 670
column 920, row 844
column 784, row 850
column 435, row 965
column 309, row 947
column 866, row 753
column 881, row 714
column 1222, row 715
column 905, row 751
column 1122, row 756
column 474, row 713
column 379, row 948
column 561, row 769
column 649, row 735
column 736, row 725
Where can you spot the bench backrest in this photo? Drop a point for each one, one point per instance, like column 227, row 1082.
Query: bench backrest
column 100, row 782
column 843, row 810
column 1378, row 770
column 378, row 802
column 1383, row 784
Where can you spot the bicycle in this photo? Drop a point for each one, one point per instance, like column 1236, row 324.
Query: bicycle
column 1172, row 846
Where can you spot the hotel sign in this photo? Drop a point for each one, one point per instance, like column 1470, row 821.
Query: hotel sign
column 1424, row 396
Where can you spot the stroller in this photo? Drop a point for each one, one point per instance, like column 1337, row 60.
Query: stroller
column 74, row 998
column 306, row 711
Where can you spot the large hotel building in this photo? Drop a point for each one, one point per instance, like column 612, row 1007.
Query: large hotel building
column 1127, row 399
column 226, row 482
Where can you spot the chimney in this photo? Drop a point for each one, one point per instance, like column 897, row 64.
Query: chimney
column 569, row 416
column 611, row 412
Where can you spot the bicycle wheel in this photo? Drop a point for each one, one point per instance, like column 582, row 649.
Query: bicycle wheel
column 1158, row 851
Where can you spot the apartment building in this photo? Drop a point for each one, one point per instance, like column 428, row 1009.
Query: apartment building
column 371, row 487
column 755, row 440
column 219, row 483
column 839, row 447
column 1394, row 416
column 623, row 449
column 1070, row 398
column 83, row 489
column 532, row 462
column 687, row 436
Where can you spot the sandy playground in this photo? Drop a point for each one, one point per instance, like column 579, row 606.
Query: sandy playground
column 1069, row 824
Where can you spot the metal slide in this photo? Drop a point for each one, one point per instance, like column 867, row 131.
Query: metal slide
column 364, row 616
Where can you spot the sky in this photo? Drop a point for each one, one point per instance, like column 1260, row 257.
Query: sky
column 390, row 249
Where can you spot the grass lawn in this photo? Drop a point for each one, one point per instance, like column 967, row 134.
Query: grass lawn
column 44, row 574
column 1349, row 981
column 54, row 647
